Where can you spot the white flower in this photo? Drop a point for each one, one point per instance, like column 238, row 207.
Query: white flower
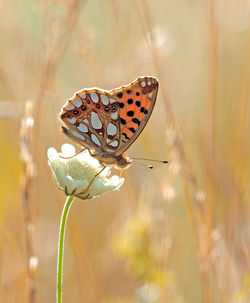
column 75, row 174
column 148, row 292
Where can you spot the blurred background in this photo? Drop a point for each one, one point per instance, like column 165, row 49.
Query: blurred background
column 178, row 233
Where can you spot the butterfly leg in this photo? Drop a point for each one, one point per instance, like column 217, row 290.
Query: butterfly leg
column 93, row 179
column 121, row 170
column 73, row 155
column 90, row 153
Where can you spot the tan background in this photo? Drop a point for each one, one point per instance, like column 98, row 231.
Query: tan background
column 179, row 233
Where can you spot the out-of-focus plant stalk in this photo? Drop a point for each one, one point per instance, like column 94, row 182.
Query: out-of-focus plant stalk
column 26, row 186
column 56, row 45
column 189, row 179
column 210, row 146
column 233, row 216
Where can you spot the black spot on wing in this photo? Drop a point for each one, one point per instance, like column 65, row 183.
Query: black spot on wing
column 130, row 113
column 132, row 129
column 119, row 95
column 136, row 121
column 125, row 136
column 122, row 121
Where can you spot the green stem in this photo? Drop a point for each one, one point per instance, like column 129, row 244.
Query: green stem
column 61, row 248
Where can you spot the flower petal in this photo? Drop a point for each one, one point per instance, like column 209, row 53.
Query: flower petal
column 74, row 175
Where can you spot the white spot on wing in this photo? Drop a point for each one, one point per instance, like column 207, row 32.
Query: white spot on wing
column 111, row 129
column 82, row 128
column 112, row 101
column 143, row 83
column 114, row 115
column 94, row 97
column 85, row 121
column 72, row 120
column 83, row 95
column 104, row 99
column 79, row 136
column 150, row 95
column 70, row 107
column 77, row 102
column 95, row 140
column 109, row 150
column 114, row 143
column 95, row 121
column 149, row 83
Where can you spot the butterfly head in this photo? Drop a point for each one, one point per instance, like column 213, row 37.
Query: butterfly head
column 118, row 161
column 123, row 161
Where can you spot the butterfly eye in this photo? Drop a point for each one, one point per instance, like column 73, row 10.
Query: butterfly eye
column 83, row 108
column 68, row 115
column 98, row 105
column 76, row 112
column 106, row 108
column 88, row 101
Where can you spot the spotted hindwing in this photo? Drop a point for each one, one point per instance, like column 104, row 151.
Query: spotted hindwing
column 92, row 120
column 109, row 121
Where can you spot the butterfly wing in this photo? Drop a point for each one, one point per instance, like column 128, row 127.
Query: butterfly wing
column 92, row 120
column 136, row 102
column 110, row 121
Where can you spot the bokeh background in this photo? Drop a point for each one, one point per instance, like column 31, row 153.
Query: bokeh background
column 177, row 233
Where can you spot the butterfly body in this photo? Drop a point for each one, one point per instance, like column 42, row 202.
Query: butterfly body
column 107, row 159
column 108, row 122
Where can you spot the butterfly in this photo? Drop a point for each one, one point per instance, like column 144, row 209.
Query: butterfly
column 107, row 122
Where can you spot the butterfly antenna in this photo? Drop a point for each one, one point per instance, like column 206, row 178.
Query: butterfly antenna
column 148, row 166
column 144, row 159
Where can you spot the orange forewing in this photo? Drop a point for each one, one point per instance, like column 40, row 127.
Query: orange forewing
column 136, row 105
